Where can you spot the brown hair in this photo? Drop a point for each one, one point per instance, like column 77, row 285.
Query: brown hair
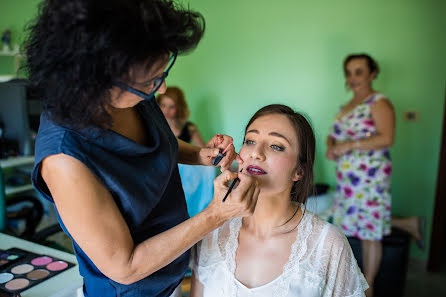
column 177, row 95
column 371, row 63
column 307, row 146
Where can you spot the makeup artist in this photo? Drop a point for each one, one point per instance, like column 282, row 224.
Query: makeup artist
column 105, row 154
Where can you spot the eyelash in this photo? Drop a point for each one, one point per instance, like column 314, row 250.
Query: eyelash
column 273, row 146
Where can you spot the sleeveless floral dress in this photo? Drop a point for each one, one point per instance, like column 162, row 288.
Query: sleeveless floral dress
column 363, row 197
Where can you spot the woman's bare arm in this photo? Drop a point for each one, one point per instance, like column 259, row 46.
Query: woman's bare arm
column 196, row 289
column 93, row 219
column 196, row 136
column 384, row 118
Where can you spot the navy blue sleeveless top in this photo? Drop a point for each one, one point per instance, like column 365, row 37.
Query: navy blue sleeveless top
column 144, row 182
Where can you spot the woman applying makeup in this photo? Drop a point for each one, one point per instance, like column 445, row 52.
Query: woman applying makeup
column 281, row 250
column 104, row 153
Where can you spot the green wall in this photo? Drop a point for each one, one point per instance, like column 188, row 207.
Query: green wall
column 290, row 51
column 260, row 52
column 14, row 14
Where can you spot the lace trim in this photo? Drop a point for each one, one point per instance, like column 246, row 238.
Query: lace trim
column 298, row 250
column 230, row 251
column 280, row 287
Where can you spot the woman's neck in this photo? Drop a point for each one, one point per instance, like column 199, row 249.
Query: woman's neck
column 360, row 95
column 274, row 214
column 175, row 125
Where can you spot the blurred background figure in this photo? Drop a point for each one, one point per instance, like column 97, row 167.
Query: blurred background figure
column 197, row 181
column 174, row 106
column 362, row 134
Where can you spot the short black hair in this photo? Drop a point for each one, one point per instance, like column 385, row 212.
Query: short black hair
column 78, row 49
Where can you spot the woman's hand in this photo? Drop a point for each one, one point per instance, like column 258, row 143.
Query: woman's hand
column 342, row 148
column 212, row 149
column 241, row 202
column 330, row 154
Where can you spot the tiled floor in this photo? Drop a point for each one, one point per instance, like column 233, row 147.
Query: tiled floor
column 421, row 283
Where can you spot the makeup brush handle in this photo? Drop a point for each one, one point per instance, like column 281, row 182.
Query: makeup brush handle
column 217, row 159
column 230, row 188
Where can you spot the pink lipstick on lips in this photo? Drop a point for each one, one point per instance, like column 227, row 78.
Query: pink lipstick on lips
column 255, row 170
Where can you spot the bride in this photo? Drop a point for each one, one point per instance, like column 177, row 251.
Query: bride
column 281, row 250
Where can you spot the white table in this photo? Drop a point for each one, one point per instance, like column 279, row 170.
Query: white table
column 65, row 284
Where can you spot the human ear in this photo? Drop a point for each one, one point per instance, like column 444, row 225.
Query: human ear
column 298, row 174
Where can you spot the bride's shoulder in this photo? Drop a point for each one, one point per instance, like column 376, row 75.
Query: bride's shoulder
column 329, row 233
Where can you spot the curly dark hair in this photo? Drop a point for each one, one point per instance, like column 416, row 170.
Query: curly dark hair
column 78, row 49
column 303, row 188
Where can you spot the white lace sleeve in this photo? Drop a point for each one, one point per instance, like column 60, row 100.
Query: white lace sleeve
column 205, row 256
column 344, row 278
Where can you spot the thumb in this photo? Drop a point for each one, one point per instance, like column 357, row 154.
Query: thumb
column 239, row 159
column 226, row 176
column 209, row 152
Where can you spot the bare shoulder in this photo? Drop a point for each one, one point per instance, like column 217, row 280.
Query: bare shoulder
column 382, row 104
column 192, row 127
column 64, row 170
column 61, row 162
column 333, row 235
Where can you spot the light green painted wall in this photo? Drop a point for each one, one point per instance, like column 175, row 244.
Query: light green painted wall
column 290, row 51
column 260, row 52
column 14, row 14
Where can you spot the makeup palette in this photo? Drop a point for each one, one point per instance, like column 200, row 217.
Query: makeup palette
column 8, row 257
column 21, row 270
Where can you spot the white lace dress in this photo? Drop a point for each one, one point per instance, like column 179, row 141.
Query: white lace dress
column 321, row 263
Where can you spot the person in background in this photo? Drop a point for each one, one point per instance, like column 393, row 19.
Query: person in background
column 174, row 107
column 282, row 250
column 105, row 155
column 359, row 142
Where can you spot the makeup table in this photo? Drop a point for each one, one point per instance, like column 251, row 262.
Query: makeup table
column 66, row 284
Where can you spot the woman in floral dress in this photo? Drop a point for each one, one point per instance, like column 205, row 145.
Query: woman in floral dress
column 362, row 134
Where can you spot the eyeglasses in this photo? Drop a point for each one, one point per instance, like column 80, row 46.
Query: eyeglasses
column 157, row 82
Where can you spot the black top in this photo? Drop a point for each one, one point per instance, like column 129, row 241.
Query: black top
column 185, row 133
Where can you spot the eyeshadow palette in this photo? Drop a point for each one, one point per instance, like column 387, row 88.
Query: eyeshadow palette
column 28, row 269
column 9, row 256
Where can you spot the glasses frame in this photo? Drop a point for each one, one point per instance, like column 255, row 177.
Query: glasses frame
column 157, row 83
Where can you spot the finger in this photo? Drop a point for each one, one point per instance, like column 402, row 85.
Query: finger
column 222, row 179
column 228, row 159
column 239, row 159
column 245, row 183
column 209, row 153
column 226, row 141
column 215, row 141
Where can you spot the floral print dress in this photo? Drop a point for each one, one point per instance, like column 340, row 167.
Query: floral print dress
column 363, row 199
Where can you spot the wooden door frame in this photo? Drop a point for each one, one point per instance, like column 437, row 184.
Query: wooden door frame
column 438, row 240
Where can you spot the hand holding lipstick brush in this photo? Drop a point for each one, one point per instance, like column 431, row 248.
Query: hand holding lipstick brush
column 231, row 187
column 221, row 155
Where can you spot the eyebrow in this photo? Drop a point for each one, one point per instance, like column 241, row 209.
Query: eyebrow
column 271, row 133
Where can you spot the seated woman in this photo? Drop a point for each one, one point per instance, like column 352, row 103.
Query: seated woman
column 174, row 106
column 282, row 249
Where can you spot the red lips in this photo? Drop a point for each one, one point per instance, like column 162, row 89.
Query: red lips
column 255, row 170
